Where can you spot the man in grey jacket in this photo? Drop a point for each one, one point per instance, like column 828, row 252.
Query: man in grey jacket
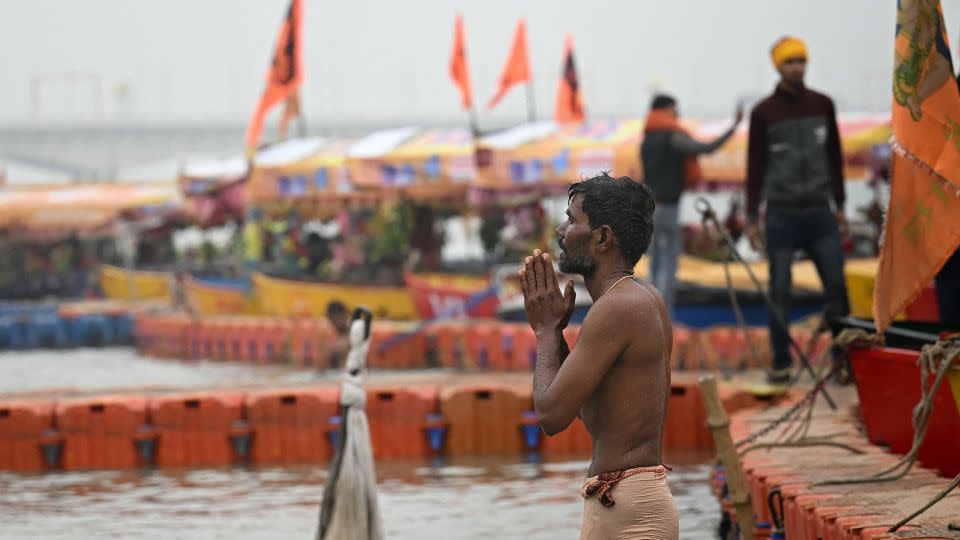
column 669, row 156
column 795, row 166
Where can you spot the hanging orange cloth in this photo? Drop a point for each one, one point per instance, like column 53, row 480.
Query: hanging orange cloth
column 922, row 226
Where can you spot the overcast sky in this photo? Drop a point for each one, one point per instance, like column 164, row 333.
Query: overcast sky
column 385, row 61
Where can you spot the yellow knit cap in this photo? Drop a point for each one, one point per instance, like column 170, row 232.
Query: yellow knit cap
column 788, row 48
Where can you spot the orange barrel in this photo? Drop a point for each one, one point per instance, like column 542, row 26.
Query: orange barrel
column 144, row 333
column 484, row 346
column 221, row 339
column 686, row 426
column 503, row 359
column 386, row 348
column 257, row 350
column 484, row 419
column 398, row 420
column 700, row 354
column 162, row 333
column 290, row 426
column 233, row 335
column 249, row 340
column 309, row 340
column 416, row 346
column 431, row 345
column 193, row 348
column 195, row 430
column 575, row 440
column 173, row 336
column 449, row 343
column 102, row 432
column 571, row 333
column 729, row 346
column 27, row 441
column 205, row 339
column 276, row 340
column 760, row 338
column 524, row 354
column 682, row 337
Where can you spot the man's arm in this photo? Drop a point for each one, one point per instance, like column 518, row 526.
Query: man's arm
column 688, row 146
column 756, row 164
column 561, row 388
column 835, row 155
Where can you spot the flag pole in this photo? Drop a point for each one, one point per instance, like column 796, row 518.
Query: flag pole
column 473, row 121
column 531, row 106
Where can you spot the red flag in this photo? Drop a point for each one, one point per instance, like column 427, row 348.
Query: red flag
column 285, row 73
column 569, row 107
column 459, row 71
column 922, row 226
column 517, row 69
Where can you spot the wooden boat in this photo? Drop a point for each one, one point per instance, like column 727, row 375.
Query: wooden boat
column 120, row 284
column 220, row 297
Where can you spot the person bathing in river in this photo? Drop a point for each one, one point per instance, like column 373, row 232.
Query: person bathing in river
column 617, row 376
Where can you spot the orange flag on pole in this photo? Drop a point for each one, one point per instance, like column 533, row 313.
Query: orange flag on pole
column 922, row 226
column 459, row 71
column 569, row 108
column 284, row 75
column 517, row 70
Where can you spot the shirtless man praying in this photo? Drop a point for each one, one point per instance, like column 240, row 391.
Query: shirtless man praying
column 617, row 377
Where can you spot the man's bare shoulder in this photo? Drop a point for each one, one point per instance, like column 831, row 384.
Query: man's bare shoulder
column 635, row 302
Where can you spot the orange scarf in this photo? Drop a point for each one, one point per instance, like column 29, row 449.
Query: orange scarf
column 664, row 121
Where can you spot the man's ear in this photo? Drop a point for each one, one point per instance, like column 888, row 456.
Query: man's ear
column 604, row 237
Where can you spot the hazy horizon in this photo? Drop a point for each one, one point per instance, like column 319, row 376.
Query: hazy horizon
column 379, row 63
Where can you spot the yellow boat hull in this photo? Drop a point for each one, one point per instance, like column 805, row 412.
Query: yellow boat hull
column 119, row 284
column 286, row 298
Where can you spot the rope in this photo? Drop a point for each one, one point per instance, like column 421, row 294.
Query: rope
column 708, row 215
column 846, row 338
column 939, row 497
column 938, row 358
column 737, row 312
column 801, row 444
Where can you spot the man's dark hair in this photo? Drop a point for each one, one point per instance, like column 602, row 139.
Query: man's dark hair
column 623, row 204
column 663, row 101
column 336, row 308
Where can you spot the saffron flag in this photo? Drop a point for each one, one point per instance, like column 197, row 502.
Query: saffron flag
column 922, row 226
column 569, row 107
column 284, row 74
column 459, row 70
column 517, row 70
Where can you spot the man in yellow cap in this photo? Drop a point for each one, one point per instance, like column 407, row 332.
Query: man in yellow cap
column 795, row 166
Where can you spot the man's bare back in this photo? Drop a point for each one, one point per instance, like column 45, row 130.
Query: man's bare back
column 625, row 414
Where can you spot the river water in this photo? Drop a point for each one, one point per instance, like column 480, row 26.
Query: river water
column 460, row 499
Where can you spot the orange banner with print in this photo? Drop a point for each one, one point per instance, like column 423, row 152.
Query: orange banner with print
column 923, row 220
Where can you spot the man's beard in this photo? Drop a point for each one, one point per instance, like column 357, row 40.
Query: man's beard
column 576, row 264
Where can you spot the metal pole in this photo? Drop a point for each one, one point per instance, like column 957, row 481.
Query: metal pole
column 531, row 105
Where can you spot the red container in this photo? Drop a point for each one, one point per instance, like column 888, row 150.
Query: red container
column 888, row 383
